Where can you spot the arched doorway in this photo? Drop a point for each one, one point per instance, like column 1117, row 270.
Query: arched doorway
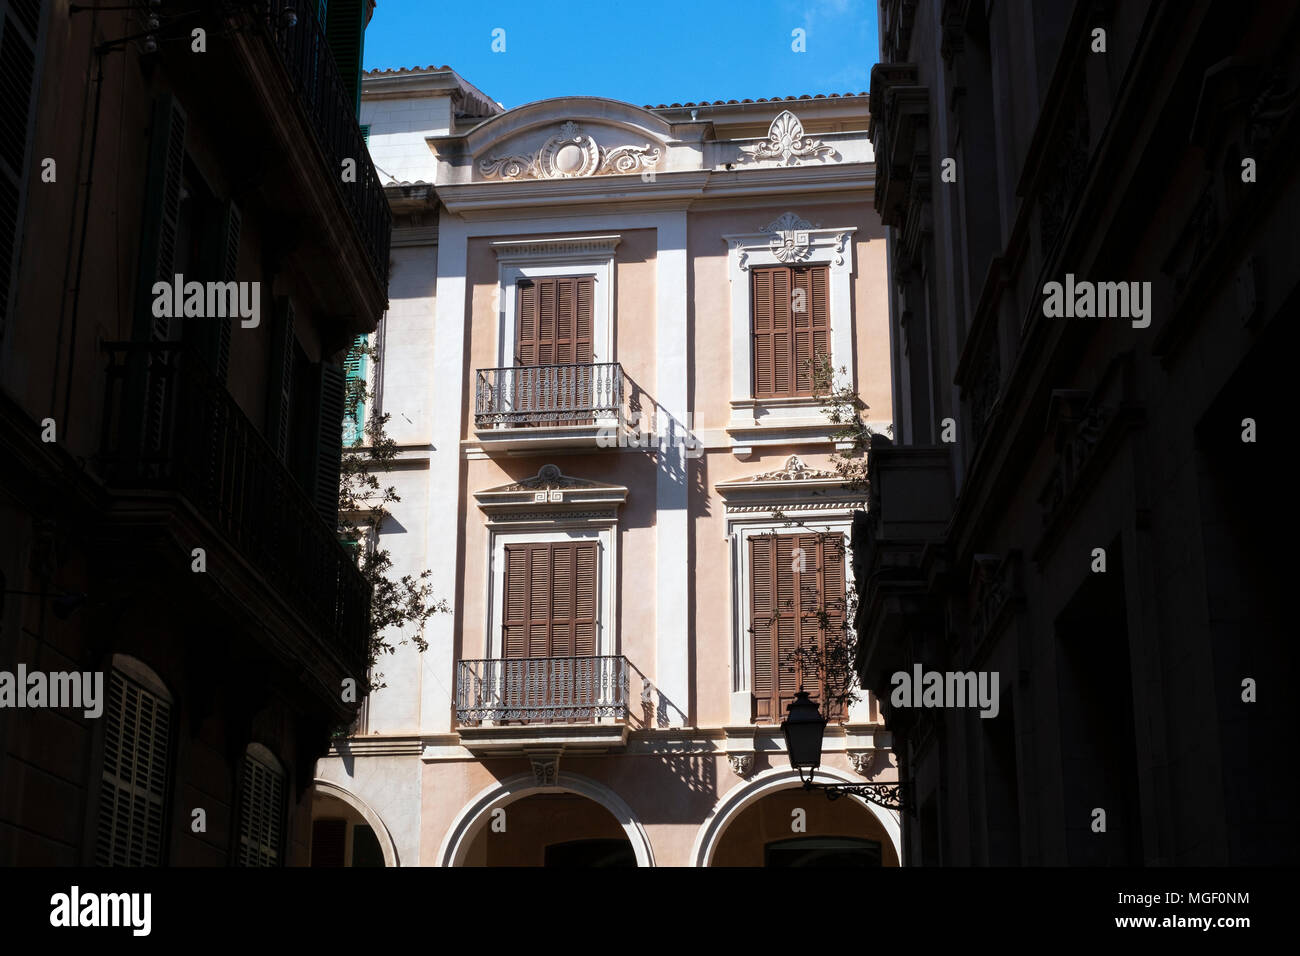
column 575, row 822
column 345, row 831
column 755, row 824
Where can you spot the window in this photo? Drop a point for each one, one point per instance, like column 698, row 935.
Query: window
column 261, row 809
column 134, row 782
column 555, row 321
column 794, row 580
column 791, row 327
column 354, row 413
column 550, row 599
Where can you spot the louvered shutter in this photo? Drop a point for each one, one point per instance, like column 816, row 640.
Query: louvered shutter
column 354, row 371
column 329, row 442
column 762, row 321
column 135, row 777
column 345, row 30
column 787, row 622
column 261, row 817
column 539, row 601
column 834, row 601
column 231, row 223
column 786, row 339
column 585, row 598
column 280, row 403
column 562, row 601
column 762, row 625
column 161, row 215
column 329, row 843
column 515, row 623
column 19, row 24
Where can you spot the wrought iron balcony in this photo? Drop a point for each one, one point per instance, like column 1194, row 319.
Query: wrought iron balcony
column 534, row 395
column 543, row 690
column 305, row 53
column 171, row 426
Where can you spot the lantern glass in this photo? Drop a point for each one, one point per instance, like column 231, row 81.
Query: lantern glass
column 803, row 728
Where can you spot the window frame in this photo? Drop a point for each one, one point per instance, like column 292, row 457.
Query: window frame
column 831, row 247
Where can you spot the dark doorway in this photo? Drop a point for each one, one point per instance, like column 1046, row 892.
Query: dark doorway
column 590, row 853
column 822, row 851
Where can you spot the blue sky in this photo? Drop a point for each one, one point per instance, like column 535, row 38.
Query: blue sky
column 641, row 51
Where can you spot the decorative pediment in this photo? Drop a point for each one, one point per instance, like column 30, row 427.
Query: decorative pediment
column 794, row 470
column 786, row 143
column 551, row 495
column 569, row 154
column 793, row 487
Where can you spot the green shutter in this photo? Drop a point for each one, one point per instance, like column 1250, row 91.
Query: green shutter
column 161, row 214
column 354, row 414
column 280, row 402
column 365, row 133
column 18, row 79
column 329, row 444
column 345, row 30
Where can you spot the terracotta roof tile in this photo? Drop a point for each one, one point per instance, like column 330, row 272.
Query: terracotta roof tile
column 761, row 99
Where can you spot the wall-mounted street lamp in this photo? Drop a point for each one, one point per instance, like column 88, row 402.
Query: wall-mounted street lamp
column 803, row 728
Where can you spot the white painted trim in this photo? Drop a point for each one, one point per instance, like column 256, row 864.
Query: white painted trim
column 740, row 528
column 745, row 794
column 577, row 256
column 331, row 789
column 829, row 247
column 463, row 829
column 672, row 519
column 606, row 571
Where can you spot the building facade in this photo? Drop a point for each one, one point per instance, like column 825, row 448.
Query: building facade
column 597, row 362
column 177, row 616
column 1081, row 495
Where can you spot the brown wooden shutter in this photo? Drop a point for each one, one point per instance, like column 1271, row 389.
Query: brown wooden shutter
column 329, row 843
column 785, row 339
column 762, row 625
column 329, row 442
column 785, row 613
column 550, row 599
column 515, row 624
column 526, row 324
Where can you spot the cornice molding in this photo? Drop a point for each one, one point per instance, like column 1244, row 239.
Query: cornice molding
column 509, row 250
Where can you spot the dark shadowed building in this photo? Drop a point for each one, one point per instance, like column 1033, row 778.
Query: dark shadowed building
column 169, row 478
column 1088, row 507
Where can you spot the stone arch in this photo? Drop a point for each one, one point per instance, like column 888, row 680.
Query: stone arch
column 504, row 792
column 744, row 795
column 376, row 823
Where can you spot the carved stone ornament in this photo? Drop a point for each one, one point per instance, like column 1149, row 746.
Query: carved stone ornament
column 786, row 142
column 548, row 477
column 571, row 154
column 863, row 761
column 741, row 764
column 546, row 768
column 790, row 242
column 794, row 470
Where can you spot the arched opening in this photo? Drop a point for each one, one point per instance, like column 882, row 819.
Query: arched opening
column 551, row 829
column 763, row 810
column 465, row 843
column 345, row 832
column 802, row 828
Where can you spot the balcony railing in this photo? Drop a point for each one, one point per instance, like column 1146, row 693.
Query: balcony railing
column 169, row 425
column 548, row 395
column 306, row 56
column 543, row 690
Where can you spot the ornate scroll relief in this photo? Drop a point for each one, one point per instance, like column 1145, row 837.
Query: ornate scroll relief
column 570, row 154
column 786, row 142
column 794, row 470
